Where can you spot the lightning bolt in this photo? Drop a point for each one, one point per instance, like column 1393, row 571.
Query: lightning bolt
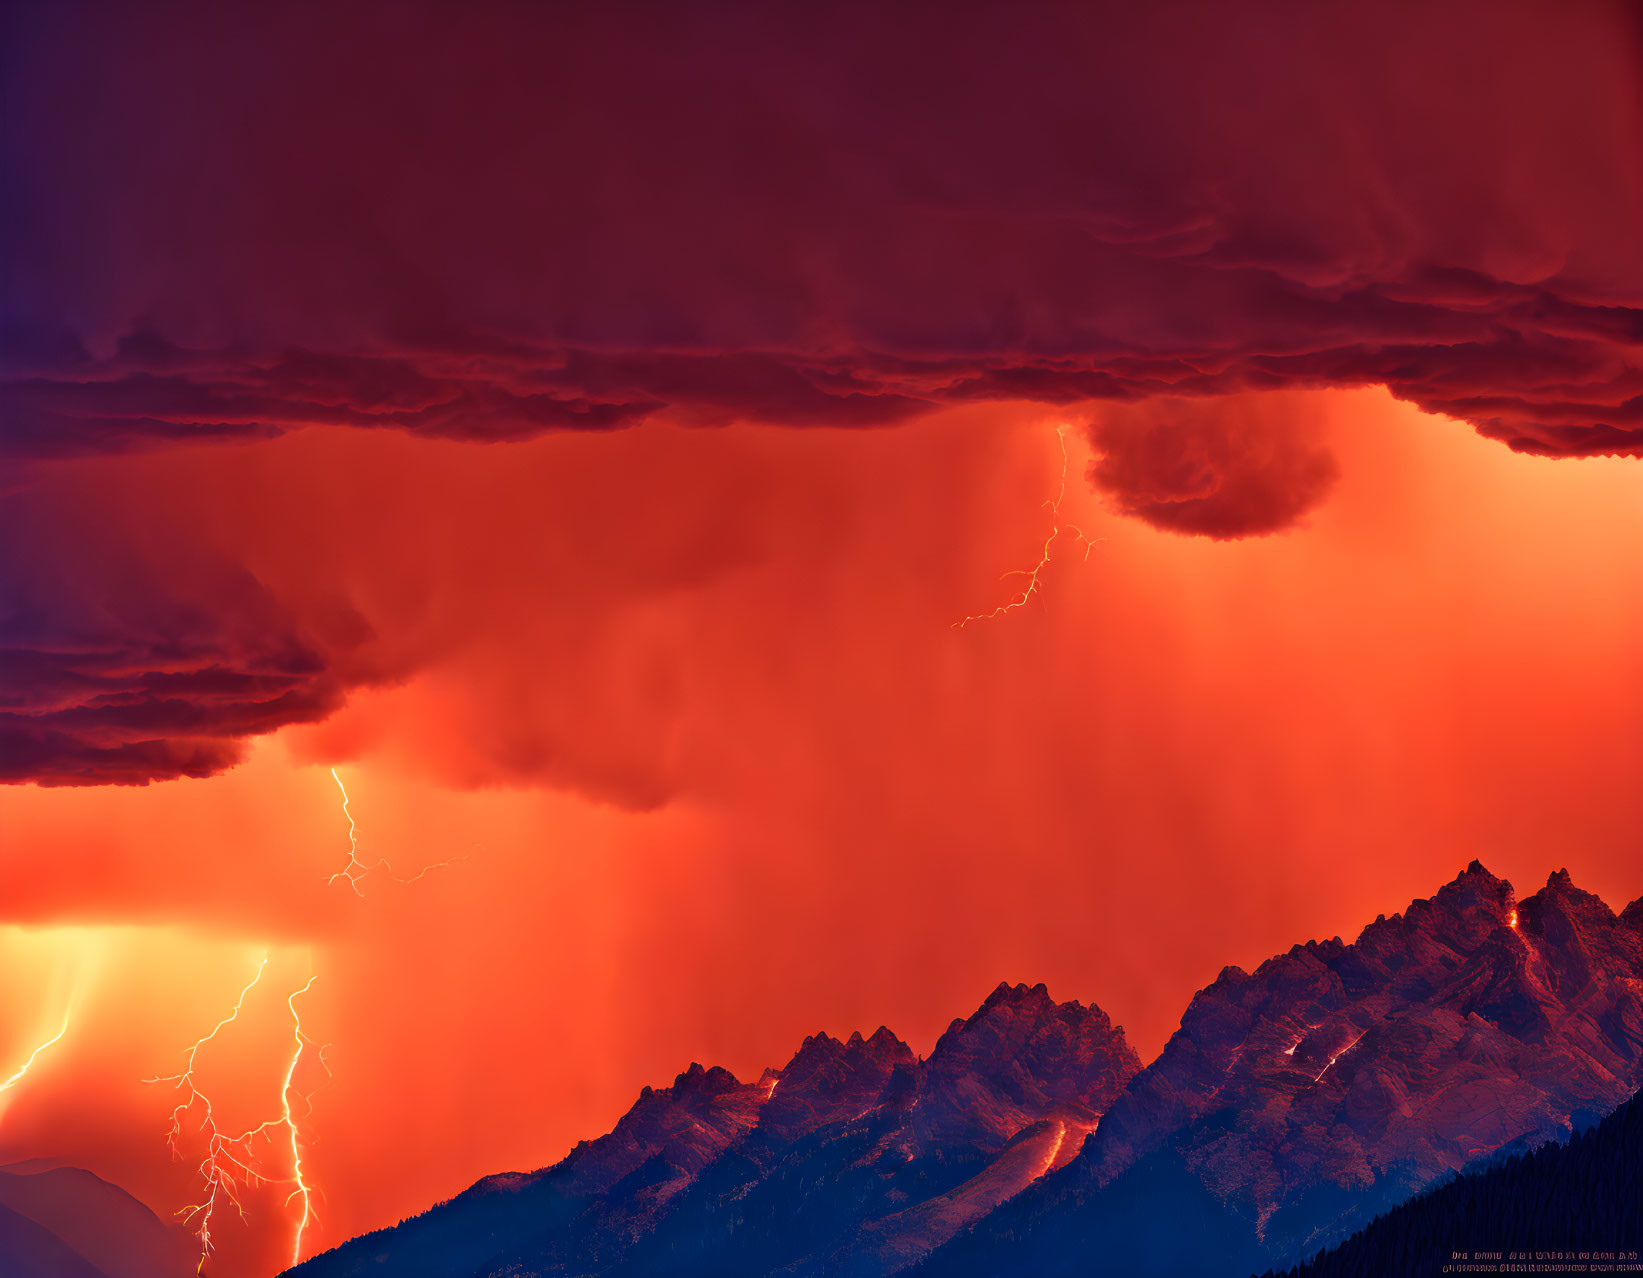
column 35, row 1054
column 221, row 1159
column 229, row 1165
column 356, row 870
column 303, row 1189
column 1034, row 575
column 354, row 863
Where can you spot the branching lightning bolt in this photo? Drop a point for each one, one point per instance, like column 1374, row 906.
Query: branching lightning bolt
column 229, row 1165
column 356, row 870
column 35, row 1054
column 222, row 1160
column 1034, row 575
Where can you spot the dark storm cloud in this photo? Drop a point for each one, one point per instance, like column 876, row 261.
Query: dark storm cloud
column 1222, row 468
column 167, row 395
column 129, row 655
column 489, row 225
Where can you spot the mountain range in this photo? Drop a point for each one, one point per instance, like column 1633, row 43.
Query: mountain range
column 1293, row 1105
column 64, row 1222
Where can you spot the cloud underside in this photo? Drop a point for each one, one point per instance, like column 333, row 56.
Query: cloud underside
column 1555, row 394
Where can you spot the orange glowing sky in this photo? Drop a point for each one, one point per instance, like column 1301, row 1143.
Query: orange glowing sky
column 692, row 706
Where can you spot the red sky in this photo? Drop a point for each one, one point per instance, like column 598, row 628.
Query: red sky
column 693, row 705
column 582, row 428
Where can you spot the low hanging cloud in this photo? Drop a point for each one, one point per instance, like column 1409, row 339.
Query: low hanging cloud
column 1227, row 468
column 134, row 650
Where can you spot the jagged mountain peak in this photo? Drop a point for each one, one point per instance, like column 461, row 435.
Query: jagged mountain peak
column 1562, row 893
column 1017, row 994
column 1021, row 1057
column 1478, row 873
column 829, row 1081
column 880, row 1041
column 1467, row 1021
column 1029, row 1001
column 713, row 1078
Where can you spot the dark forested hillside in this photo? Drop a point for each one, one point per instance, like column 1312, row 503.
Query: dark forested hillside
column 1583, row 1196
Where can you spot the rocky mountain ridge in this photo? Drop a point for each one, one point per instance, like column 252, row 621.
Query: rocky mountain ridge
column 1338, row 1079
column 1293, row 1103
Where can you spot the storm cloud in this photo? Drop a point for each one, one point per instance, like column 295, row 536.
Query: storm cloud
column 1223, row 468
column 486, row 226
